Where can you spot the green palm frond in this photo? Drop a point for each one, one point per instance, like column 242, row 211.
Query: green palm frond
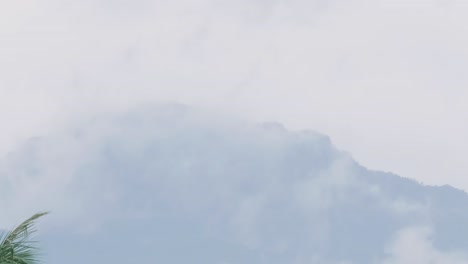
column 16, row 246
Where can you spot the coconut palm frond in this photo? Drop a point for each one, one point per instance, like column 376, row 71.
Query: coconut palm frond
column 16, row 246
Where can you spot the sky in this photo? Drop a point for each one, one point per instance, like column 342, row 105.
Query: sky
column 384, row 79
column 87, row 132
column 94, row 128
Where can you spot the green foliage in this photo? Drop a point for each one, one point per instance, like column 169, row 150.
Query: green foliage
column 16, row 247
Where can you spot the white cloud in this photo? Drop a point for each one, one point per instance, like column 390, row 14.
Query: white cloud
column 383, row 78
column 415, row 246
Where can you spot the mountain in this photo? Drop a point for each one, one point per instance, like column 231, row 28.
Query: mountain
column 173, row 184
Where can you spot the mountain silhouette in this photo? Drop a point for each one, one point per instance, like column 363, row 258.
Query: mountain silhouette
column 173, row 184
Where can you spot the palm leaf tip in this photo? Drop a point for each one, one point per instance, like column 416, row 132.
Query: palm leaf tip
column 27, row 226
column 16, row 246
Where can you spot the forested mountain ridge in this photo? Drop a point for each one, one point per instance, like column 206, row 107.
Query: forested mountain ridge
column 174, row 184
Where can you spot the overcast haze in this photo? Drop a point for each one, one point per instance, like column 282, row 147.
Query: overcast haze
column 384, row 79
column 107, row 117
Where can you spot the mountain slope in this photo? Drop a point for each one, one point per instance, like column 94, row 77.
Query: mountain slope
column 170, row 184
